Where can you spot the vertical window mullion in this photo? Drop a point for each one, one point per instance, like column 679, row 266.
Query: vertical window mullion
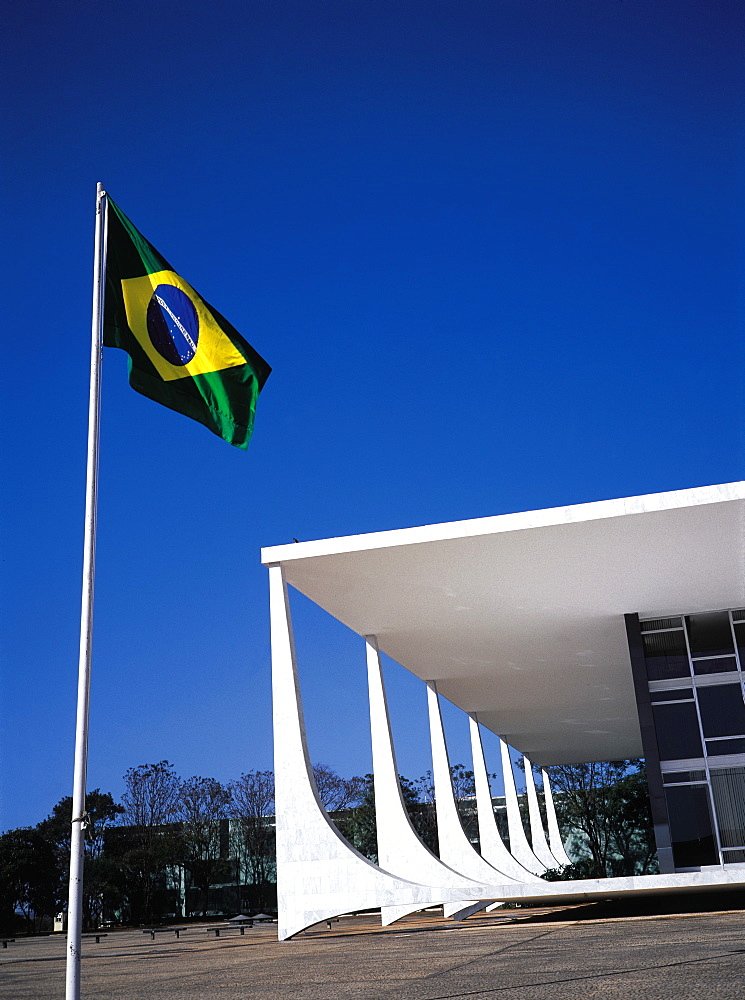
column 715, row 818
column 734, row 640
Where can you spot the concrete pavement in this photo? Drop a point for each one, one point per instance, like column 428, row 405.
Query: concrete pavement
column 497, row 955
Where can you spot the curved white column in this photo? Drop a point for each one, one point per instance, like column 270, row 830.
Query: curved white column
column 455, row 848
column 537, row 834
column 493, row 848
column 554, row 834
column 519, row 846
column 319, row 874
column 400, row 850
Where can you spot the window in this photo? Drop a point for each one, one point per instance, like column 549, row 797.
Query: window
column 678, row 694
column 666, row 655
column 710, row 634
column 728, row 788
column 657, row 623
column 677, row 731
column 714, row 665
column 728, row 856
column 721, row 748
column 691, row 827
column 675, row 777
column 722, row 710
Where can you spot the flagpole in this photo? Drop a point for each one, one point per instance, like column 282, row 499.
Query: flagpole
column 79, row 816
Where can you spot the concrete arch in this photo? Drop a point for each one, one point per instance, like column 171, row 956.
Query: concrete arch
column 400, row 850
column 455, row 848
column 319, row 874
column 537, row 834
column 554, row 834
column 493, row 848
column 519, row 846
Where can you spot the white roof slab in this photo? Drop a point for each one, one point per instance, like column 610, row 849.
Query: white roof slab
column 519, row 617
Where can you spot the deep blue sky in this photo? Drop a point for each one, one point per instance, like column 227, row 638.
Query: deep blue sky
column 493, row 252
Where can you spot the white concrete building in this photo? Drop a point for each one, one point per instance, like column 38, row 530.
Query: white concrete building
column 593, row 632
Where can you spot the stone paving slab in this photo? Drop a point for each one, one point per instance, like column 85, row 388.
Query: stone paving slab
column 681, row 957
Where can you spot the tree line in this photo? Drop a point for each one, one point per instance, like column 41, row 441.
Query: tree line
column 166, row 837
column 171, row 838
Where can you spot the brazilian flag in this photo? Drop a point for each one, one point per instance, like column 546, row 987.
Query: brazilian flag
column 182, row 352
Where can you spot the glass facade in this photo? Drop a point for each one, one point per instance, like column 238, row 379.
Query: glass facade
column 694, row 666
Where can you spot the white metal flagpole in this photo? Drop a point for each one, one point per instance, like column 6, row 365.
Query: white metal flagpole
column 79, row 816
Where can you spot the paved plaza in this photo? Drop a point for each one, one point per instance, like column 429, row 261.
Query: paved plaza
column 694, row 955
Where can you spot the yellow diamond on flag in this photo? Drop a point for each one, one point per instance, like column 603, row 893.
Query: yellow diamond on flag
column 175, row 328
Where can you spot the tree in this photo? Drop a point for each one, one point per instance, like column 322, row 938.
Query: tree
column 419, row 799
column 608, row 803
column 100, row 878
column 148, row 840
column 335, row 792
column 31, row 877
column 634, row 850
column 204, row 806
column 359, row 826
column 424, row 816
column 253, row 805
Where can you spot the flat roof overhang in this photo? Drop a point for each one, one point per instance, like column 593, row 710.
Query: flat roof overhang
column 519, row 617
